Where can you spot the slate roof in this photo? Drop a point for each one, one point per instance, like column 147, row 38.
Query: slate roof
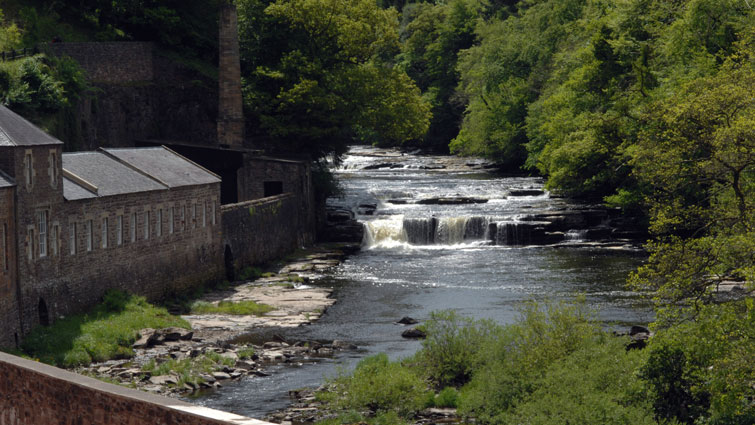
column 73, row 192
column 6, row 181
column 165, row 165
column 17, row 131
column 107, row 174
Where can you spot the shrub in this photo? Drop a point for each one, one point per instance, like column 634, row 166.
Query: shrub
column 450, row 350
column 381, row 386
column 448, row 397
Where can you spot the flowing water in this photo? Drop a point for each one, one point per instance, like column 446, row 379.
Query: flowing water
column 417, row 258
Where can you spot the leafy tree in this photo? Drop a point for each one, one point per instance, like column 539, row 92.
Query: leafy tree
column 326, row 78
column 433, row 38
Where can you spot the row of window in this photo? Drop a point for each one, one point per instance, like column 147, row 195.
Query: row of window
column 202, row 214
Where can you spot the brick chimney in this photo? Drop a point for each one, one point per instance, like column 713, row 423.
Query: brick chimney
column 230, row 112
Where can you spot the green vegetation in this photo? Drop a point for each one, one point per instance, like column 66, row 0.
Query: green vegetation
column 231, row 307
column 189, row 370
column 556, row 365
column 319, row 74
column 106, row 332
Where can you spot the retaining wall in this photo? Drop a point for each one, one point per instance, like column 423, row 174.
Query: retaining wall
column 33, row 393
column 258, row 231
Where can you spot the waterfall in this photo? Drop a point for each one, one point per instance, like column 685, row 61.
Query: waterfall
column 420, row 231
column 511, row 233
column 397, row 230
column 450, row 230
column 574, row 235
column 385, row 232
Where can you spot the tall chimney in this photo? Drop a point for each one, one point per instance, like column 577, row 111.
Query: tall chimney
column 230, row 112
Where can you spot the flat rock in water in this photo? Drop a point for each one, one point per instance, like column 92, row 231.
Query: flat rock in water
column 451, row 201
column 163, row 380
column 526, row 192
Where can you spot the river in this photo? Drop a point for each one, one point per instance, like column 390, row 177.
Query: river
column 419, row 257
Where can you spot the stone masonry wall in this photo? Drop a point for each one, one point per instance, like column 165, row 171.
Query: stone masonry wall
column 294, row 176
column 113, row 62
column 11, row 334
column 73, row 278
column 259, row 231
column 32, row 393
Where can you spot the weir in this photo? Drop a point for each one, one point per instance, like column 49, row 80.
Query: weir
column 425, row 231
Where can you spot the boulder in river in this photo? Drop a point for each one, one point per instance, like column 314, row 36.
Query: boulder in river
column 406, row 320
column 414, row 333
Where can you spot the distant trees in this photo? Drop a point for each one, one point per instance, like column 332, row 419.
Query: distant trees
column 319, row 74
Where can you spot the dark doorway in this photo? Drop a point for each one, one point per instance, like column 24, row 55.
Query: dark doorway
column 273, row 188
column 230, row 271
column 44, row 315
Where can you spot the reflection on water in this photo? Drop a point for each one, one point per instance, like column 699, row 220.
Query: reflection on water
column 403, row 274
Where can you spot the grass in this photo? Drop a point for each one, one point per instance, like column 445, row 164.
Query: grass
column 106, row 332
column 241, row 308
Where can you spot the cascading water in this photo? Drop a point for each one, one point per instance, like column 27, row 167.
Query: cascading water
column 448, row 231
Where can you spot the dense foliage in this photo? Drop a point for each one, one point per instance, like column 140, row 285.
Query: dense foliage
column 319, row 74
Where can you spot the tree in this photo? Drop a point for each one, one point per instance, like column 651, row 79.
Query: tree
column 326, row 78
column 698, row 156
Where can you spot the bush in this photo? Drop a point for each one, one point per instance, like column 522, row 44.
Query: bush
column 450, row 350
column 448, row 397
column 381, row 386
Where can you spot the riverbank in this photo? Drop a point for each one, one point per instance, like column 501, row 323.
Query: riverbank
column 177, row 362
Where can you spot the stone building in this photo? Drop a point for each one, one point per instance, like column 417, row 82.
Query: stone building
column 73, row 225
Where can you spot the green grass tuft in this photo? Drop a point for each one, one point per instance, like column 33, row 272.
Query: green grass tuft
column 106, row 332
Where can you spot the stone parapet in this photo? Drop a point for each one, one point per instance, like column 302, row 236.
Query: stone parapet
column 33, row 393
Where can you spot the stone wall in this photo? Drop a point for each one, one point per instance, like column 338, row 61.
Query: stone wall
column 73, row 278
column 255, row 232
column 259, row 173
column 138, row 94
column 32, row 393
column 11, row 334
column 113, row 62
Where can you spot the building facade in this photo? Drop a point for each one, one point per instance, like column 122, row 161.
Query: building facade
column 74, row 225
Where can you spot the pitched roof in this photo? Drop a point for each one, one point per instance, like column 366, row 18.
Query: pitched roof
column 72, row 191
column 17, row 131
column 109, row 176
column 165, row 165
column 6, row 181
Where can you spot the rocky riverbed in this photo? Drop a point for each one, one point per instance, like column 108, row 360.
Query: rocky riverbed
column 177, row 362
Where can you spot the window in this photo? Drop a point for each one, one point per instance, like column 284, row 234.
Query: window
column 146, row 225
column 272, row 188
column 30, row 244
column 54, row 240
column 104, row 232
column 72, row 238
column 183, row 217
column 119, row 230
column 193, row 215
column 132, row 228
column 28, row 170
column 213, row 212
column 53, row 170
column 43, row 234
column 159, row 224
column 204, row 214
column 170, row 223
column 90, row 236
column 6, row 259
